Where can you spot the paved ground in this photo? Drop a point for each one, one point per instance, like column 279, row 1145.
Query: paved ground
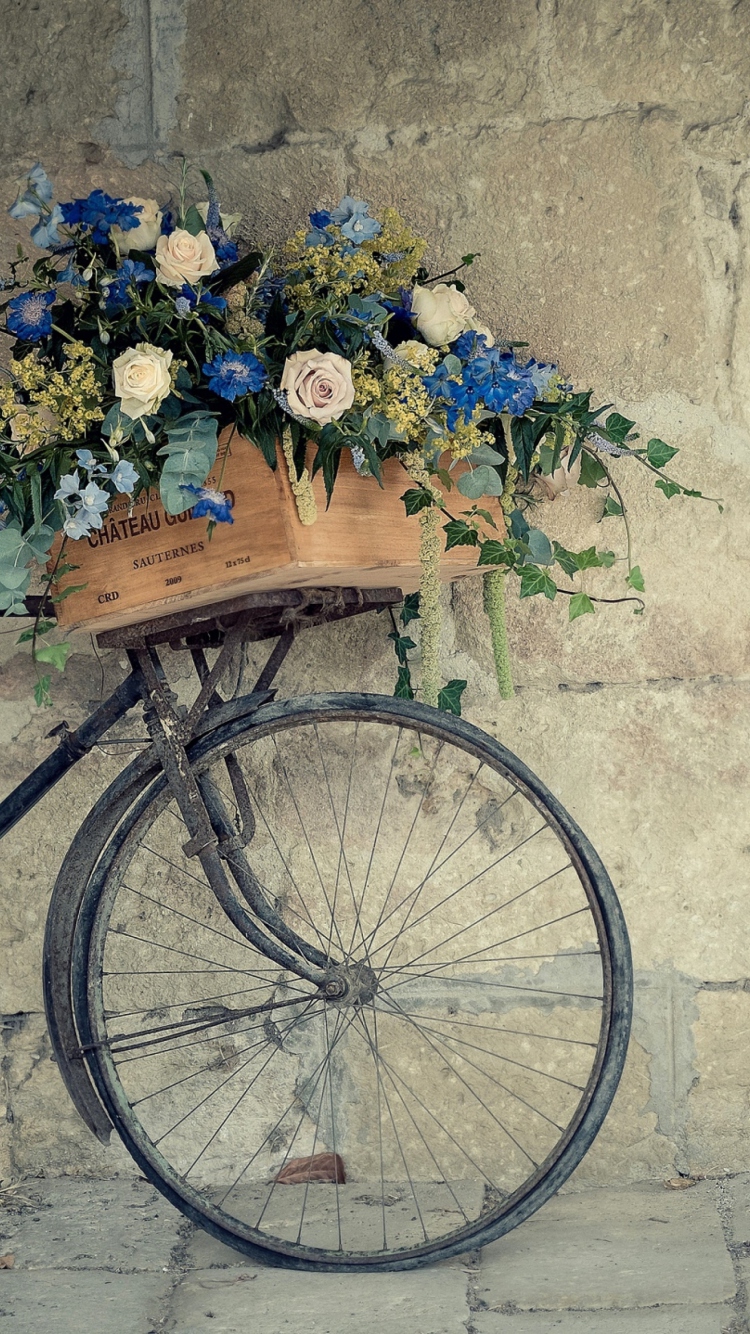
column 113, row 1258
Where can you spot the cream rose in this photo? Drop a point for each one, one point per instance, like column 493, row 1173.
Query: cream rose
column 318, row 385
column 184, row 258
column 142, row 379
column 148, row 231
column 441, row 313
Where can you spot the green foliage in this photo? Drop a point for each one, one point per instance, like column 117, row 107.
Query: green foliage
column 190, row 456
column 481, row 481
column 417, row 499
column 580, row 605
column 659, row 454
column 458, row 533
column 449, row 698
column 55, row 654
column 592, row 472
column 534, row 580
column 410, row 609
column 635, row 579
column 612, row 508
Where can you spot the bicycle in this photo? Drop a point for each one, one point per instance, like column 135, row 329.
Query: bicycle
column 424, row 977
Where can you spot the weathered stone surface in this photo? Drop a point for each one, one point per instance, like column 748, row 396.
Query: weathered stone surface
column 121, row 1226
column 621, row 1250
column 68, row 1303
column 691, row 57
column 662, row 1320
column 720, row 1100
column 425, row 1302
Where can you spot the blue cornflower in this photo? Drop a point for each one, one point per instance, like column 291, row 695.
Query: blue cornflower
column 351, row 215
column 233, row 374
column 503, row 383
column 98, row 213
column 29, row 316
column 45, row 233
column 215, row 504
column 115, row 290
column 123, row 476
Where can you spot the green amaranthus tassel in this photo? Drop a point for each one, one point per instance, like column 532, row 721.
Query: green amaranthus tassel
column 430, row 550
column 307, row 508
column 494, row 605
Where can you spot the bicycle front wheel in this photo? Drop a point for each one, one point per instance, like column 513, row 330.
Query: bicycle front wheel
column 466, row 1043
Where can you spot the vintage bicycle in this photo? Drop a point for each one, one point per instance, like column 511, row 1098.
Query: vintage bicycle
column 350, row 984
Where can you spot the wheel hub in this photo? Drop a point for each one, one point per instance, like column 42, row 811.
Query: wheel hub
column 350, row 984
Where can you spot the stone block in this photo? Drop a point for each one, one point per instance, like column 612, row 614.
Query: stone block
column 120, row 1226
column 719, row 1103
column 623, row 1248
column 424, row 1302
column 661, row 1320
column 71, row 1302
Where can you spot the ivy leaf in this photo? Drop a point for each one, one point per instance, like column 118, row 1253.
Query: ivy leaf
column 403, row 685
column 493, row 552
column 534, row 580
column 482, row 481
column 635, row 579
column 459, row 534
column 567, row 560
column 612, row 508
column 618, row 428
column 580, row 605
column 449, row 698
column 43, row 628
column 56, row 654
column 468, row 259
column 658, row 453
column 588, row 559
column 669, row 488
column 607, row 558
column 416, row 499
column 410, row 609
column 66, row 592
column 41, row 692
column 401, row 644
column 592, row 472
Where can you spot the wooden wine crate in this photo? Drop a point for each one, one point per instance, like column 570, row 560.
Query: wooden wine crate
column 144, row 560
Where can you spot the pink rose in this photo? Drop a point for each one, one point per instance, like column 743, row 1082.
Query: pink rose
column 318, row 385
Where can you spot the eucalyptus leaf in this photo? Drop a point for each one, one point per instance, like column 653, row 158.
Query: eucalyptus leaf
column 482, row 481
column 486, row 454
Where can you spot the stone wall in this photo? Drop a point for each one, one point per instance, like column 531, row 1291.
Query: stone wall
column 596, row 154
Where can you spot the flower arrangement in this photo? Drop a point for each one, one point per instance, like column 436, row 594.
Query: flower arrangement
column 142, row 331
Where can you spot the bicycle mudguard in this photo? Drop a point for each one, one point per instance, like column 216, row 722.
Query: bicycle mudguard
column 65, row 904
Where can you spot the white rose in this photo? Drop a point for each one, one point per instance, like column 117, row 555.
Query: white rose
column 142, row 379
column 148, row 231
column 441, row 313
column 184, row 258
column 318, row 385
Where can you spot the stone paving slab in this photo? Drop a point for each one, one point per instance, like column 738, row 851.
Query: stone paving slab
column 275, row 1301
column 75, row 1224
column 70, row 1303
column 615, row 1248
column 737, row 1190
column 663, row 1320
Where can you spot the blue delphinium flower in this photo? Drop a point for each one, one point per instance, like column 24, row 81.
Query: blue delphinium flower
column 215, row 504
column 94, row 503
column 70, row 275
column 45, row 233
column 225, row 250
column 504, row 384
column 86, row 460
column 321, row 218
column 99, row 212
column 183, row 306
column 123, row 476
column 69, row 487
column 115, row 290
column 29, row 316
column 351, row 216
column 188, row 299
column 209, row 299
column 232, row 374
column 319, row 236
column 469, row 344
column 83, row 505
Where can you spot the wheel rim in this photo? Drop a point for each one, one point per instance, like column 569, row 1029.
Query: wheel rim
column 456, row 1070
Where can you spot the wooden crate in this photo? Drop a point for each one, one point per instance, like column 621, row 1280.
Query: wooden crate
column 143, row 560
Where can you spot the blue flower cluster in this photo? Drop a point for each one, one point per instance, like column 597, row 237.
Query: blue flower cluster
column 187, row 300
column 34, row 202
column 86, row 502
column 233, row 374
column 490, row 377
column 116, row 291
column 215, row 505
column 351, row 215
column 98, row 213
column 29, row 315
